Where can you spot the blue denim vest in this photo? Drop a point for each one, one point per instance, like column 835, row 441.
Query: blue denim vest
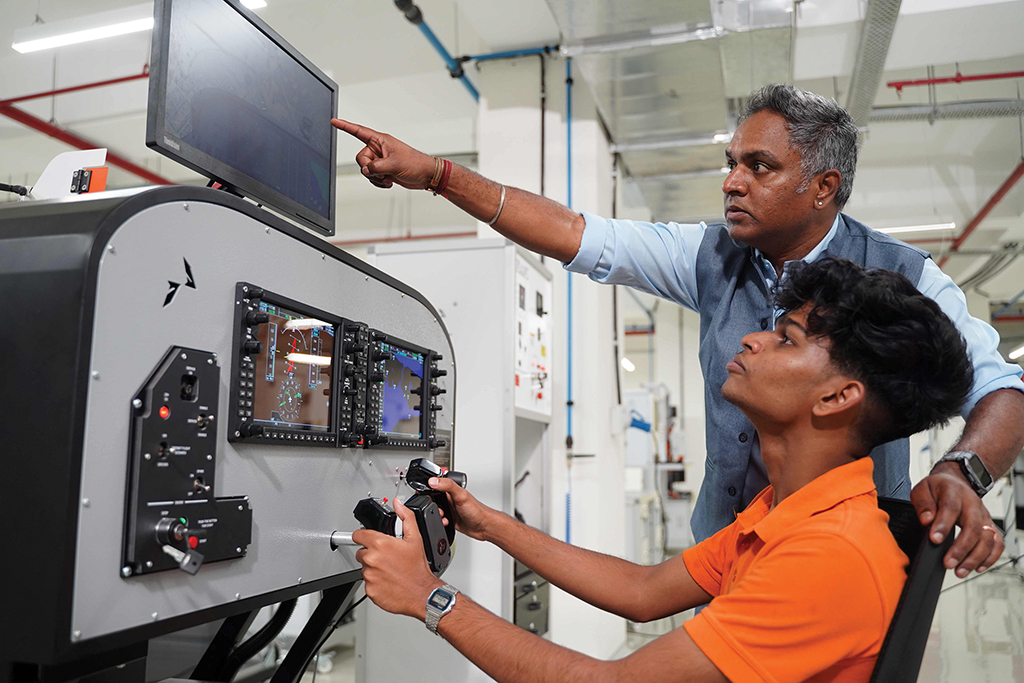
column 734, row 302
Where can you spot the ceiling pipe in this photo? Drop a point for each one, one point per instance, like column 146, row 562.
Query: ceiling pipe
column 70, row 138
column 415, row 16
column 76, row 88
column 509, row 54
column 646, row 39
column 7, row 109
column 985, row 210
column 972, row 109
column 959, row 78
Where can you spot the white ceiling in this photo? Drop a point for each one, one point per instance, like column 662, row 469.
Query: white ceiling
column 909, row 173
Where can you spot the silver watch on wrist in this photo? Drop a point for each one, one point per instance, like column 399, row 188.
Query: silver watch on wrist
column 440, row 603
column 974, row 470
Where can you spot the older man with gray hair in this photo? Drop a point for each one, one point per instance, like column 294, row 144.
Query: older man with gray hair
column 792, row 161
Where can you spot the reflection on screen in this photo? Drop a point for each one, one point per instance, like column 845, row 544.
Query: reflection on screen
column 236, row 96
column 401, row 399
column 293, row 374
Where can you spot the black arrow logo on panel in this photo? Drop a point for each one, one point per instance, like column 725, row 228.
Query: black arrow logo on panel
column 175, row 285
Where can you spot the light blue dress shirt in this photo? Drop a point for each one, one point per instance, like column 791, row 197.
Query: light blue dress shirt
column 660, row 258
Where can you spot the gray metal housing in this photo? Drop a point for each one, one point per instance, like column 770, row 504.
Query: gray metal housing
column 112, row 257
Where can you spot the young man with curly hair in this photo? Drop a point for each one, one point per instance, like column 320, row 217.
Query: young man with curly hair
column 803, row 584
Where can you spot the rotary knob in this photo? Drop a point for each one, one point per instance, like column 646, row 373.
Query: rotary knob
column 256, row 318
column 250, row 429
column 435, row 391
column 438, row 372
column 252, row 347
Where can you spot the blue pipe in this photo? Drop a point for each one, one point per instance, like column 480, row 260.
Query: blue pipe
column 509, row 54
column 1008, row 306
column 568, row 349
column 453, row 67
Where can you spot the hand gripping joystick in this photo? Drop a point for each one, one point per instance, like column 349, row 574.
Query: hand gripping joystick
column 426, row 503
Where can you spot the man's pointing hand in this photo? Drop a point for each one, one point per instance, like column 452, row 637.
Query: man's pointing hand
column 385, row 160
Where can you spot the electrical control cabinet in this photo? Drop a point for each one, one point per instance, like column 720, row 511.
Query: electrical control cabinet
column 501, row 332
column 204, row 394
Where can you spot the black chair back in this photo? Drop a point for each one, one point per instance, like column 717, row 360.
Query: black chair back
column 899, row 660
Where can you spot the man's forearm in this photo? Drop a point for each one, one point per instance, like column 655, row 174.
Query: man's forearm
column 995, row 431
column 583, row 573
column 510, row 654
column 539, row 224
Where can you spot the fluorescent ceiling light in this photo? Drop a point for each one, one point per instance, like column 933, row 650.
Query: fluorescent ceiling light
column 83, row 29
column 1014, row 355
column 721, row 137
column 628, row 366
column 919, row 228
column 90, row 27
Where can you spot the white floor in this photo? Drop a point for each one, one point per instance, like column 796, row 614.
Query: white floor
column 977, row 635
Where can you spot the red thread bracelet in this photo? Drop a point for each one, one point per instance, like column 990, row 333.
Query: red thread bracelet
column 445, row 176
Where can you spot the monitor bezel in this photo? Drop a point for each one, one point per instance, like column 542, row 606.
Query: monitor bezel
column 425, row 384
column 213, row 168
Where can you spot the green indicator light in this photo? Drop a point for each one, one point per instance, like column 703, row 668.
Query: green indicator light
column 183, row 521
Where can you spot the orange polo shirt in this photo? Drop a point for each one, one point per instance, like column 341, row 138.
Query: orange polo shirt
column 804, row 592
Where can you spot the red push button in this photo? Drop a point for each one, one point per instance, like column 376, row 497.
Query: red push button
column 165, row 412
column 193, row 542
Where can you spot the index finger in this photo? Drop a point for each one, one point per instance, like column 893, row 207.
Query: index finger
column 364, row 134
column 364, row 537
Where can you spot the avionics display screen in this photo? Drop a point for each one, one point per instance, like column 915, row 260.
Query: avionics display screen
column 401, row 394
column 234, row 101
column 293, row 371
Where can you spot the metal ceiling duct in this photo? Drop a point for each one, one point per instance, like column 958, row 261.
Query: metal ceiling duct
column 875, row 38
column 663, row 73
column 952, row 110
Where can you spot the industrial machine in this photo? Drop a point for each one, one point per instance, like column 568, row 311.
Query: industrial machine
column 199, row 393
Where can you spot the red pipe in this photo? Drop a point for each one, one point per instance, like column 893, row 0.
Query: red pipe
column 406, row 238
column 76, row 88
column 989, row 205
column 959, row 78
column 81, row 143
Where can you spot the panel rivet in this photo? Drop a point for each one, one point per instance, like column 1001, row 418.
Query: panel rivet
column 238, row 596
column 95, row 374
column 126, row 572
column 155, row 616
column 137, row 403
column 75, row 635
column 85, row 502
column 149, row 564
column 110, row 248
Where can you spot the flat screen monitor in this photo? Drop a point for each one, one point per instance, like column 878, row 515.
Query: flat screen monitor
column 293, row 373
column 401, row 401
column 229, row 98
